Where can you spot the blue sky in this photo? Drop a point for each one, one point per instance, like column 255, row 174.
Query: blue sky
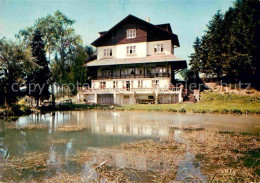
column 188, row 18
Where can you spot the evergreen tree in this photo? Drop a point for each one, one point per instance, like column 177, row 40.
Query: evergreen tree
column 230, row 46
column 195, row 58
column 37, row 81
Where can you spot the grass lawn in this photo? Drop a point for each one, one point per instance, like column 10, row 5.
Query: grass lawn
column 210, row 103
column 200, row 107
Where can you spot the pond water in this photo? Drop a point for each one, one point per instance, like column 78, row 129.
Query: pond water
column 105, row 129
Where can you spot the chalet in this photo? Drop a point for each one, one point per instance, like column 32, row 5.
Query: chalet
column 135, row 64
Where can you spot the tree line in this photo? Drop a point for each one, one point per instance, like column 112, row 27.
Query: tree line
column 229, row 50
column 45, row 53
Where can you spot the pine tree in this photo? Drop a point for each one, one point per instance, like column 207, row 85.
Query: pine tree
column 37, row 81
column 230, row 47
column 195, row 58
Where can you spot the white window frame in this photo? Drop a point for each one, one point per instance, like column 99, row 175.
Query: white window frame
column 155, row 83
column 115, row 84
column 131, row 50
column 131, row 84
column 108, row 52
column 130, row 33
column 140, row 84
column 103, row 84
column 158, row 48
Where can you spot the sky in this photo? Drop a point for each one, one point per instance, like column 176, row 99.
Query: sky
column 188, row 18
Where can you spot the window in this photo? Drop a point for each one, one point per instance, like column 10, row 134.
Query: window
column 130, row 33
column 115, row 84
column 102, row 85
column 130, row 50
column 140, row 72
column 158, row 48
column 140, row 84
column 155, row 83
column 108, row 52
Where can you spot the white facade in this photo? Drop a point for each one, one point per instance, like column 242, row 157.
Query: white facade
column 143, row 49
column 134, row 83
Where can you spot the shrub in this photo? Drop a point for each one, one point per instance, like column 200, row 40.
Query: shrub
column 224, row 111
column 215, row 111
column 16, row 110
column 172, row 110
column 237, row 111
column 182, row 110
column 22, row 102
column 26, row 109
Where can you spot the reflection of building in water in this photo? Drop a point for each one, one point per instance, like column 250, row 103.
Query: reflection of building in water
column 51, row 119
column 103, row 122
column 106, row 123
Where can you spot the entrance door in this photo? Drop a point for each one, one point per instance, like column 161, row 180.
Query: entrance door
column 126, row 100
column 128, row 85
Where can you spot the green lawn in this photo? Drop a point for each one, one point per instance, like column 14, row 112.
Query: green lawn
column 200, row 107
column 210, row 103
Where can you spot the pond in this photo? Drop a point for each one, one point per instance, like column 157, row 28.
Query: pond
column 63, row 134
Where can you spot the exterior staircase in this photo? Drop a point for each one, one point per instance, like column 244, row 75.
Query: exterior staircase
column 190, row 97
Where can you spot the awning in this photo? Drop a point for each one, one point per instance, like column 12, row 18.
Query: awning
column 141, row 60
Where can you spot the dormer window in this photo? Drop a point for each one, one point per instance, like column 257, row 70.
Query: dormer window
column 130, row 33
column 158, row 48
column 130, row 50
column 108, row 52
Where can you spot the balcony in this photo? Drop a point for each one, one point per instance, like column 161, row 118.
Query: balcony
column 128, row 76
column 175, row 90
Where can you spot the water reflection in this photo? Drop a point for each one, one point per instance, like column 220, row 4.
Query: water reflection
column 106, row 128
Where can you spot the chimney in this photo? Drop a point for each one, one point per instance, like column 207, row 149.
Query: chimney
column 148, row 19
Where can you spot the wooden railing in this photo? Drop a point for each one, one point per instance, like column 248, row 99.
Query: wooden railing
column 126, row 90
column 122, row 76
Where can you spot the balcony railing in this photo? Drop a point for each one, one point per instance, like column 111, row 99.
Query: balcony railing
column 123, row 76
column 131, row 90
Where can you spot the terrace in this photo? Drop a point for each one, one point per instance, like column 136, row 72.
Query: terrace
column 175, row 90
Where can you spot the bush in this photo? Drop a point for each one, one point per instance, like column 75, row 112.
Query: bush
column 172, row 110
column 224, row 111
column 237, row 111
column 215, row 111
column 16, row 110
column 22, row 102
column 182, row 110
column 26, row 109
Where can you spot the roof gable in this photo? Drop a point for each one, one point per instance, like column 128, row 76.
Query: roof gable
column 163, row 29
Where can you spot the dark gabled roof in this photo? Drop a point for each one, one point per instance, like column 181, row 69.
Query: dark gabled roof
column 165, row 26
column 160, row 27
column 102, row 32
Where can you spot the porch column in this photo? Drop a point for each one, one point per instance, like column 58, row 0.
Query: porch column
column 144, row 70
column 120, row 71
column 167, row 69
column 95, row 98
column 134, row 70
column 156, row 96
column 180, row 96
column 172, row 74
column 111, row 71
column 114, row 96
